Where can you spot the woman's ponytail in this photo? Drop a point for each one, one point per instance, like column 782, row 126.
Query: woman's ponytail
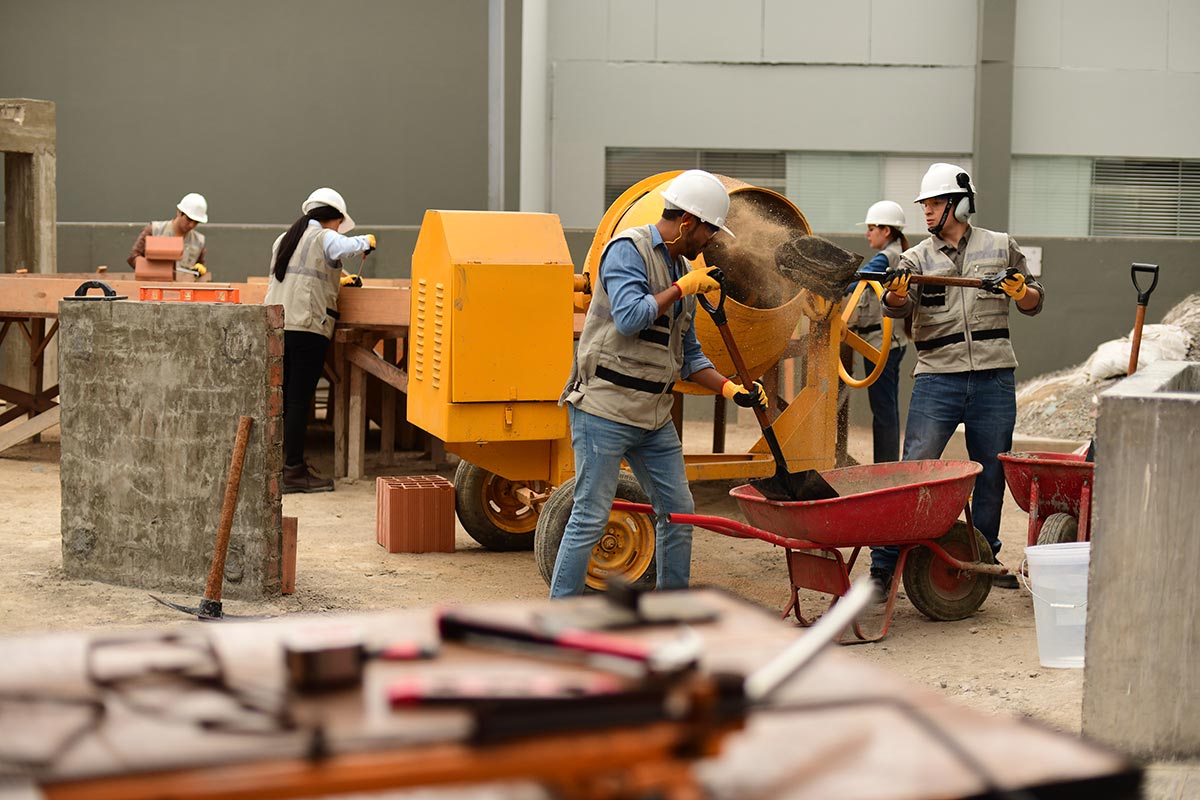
column 287, row 245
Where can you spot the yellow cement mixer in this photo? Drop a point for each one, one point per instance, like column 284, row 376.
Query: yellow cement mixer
column 494, row 302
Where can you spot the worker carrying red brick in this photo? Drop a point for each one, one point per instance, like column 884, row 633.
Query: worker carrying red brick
column 965, row 360
column 306, row 276
column 637, row 339
column 191, row 212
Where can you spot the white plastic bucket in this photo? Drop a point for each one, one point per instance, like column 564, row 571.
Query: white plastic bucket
column 1058, row 582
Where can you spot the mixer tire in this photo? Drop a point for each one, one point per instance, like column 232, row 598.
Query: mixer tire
column 626, row 547
column 489, row 511
column 1059, row 529
column 938, row 590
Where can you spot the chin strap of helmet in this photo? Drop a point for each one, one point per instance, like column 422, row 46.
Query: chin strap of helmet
column 951, row 202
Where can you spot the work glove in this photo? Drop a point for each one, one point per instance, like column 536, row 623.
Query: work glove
column 351, row 280
column 756, row 396
column 1014, row 286
column 370, row 243
column 200, row 269
column 699, row 281
column 896, row 281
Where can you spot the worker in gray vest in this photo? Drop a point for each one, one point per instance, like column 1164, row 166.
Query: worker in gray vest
column 191, row 212
column 885, row 233
column 965, row 360
column 306, row 276
column 638, row 337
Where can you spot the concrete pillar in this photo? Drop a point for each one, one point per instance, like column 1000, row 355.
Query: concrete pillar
column 994, row 111
column 535, row 106
column 1141, row 689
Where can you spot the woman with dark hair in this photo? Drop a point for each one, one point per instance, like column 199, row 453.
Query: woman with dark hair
column 885, row 233
column 306, row 275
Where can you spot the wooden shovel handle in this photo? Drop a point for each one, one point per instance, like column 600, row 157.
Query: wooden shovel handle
column 216, row 574
column 1138, row 321
column 946, row 280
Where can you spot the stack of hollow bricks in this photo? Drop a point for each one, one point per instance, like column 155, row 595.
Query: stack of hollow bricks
column 274, row 441
column 414, row 514
column 159, row 262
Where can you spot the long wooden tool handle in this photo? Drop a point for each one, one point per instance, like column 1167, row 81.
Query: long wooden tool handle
column 747, row 382
column 216, row 574
column 946, row 280
column 1137, row 339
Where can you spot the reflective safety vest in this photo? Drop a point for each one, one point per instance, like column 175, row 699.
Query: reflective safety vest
column 959, row 329
column 309, row 289
column 628, row 379
column 193, row 243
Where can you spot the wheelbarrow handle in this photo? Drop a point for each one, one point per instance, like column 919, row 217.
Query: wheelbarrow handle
column 1143, row 294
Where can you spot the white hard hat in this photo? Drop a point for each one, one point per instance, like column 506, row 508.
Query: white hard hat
column 885, row 212
column 942, row 179
column 700, row 193
column 194, row 206
column 328, row 197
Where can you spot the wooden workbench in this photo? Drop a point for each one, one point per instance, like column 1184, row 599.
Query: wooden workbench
column 850, row 742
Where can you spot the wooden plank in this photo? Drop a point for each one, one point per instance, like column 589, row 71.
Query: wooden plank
column 356, row 438
column 29, row 428
column 366, row 359
column 387, row 412
column 287, row 582
column 341, row 407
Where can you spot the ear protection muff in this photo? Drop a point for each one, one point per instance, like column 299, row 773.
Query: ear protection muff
column 965, row 207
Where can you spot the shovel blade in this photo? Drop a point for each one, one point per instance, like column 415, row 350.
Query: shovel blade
column 795, row 486
column 818, row 265
column 208, row 610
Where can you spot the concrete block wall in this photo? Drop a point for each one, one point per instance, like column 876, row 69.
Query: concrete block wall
column 151, row 394
column 1141, row 685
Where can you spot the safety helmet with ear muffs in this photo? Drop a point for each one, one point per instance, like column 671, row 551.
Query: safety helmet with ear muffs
column 950, row 181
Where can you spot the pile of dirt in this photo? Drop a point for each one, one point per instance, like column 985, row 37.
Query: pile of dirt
column 1061, row 405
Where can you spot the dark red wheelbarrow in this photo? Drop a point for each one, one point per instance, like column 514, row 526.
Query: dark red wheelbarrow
column 946, row 565
column 1056, row 490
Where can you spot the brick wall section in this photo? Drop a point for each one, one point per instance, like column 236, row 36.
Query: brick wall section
column 151, row 394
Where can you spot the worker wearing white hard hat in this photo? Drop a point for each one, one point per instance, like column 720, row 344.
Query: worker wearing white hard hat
column 306, row 277
column 965, row 371
column 885, row 233
column 190, row 212
column 637, row 340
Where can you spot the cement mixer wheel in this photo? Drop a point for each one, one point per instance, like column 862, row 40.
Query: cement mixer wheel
column 626, row 547
column 490, row 511
column 938, row 590
column 1059, row 529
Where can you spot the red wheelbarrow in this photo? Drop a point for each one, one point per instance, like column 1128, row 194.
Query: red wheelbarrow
column 946, row 565
column 1056, row 490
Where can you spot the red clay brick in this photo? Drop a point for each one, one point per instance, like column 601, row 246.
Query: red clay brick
column 414, row 514
column 275, row 344
column 274, row 317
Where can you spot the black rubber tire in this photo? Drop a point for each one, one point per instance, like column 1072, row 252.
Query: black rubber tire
column 1058, row 529
column 478, row 513
column 935, row 588
column 552, row 523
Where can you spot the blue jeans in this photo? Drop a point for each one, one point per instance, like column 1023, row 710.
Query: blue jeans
column 985, row 401
column 885, row 407
column 656, row 458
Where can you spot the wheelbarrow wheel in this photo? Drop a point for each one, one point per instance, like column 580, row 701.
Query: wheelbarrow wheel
column 625, row 549
column 1058, row 529
column 490, row 511
column 938, row 590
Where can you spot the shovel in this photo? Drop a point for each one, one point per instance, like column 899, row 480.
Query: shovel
column 783, row 485
column 818, row 265
column 1143, row 301
column 990, row 283
column 210, row 603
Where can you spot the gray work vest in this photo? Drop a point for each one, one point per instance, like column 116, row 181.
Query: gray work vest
column 867, row 320
column 628, row 379
column 957, row 329
column 193, row 243
column 309, row 289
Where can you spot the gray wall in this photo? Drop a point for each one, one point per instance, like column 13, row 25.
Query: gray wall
column 254, row 103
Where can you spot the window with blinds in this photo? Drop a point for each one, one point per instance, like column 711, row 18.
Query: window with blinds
column 625, row 166
column 1050, row 196
column 1143, row 197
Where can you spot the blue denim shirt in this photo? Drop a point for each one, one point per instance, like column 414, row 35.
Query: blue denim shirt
column 633, row 305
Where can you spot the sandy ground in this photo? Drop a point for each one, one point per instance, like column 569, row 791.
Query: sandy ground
column 988, row 662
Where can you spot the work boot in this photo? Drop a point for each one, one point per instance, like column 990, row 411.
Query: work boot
column 301, row 478
column 1008, row 581
column 882, row 578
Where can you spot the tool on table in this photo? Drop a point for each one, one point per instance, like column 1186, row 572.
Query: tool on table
column 1143, row 300
column 783, row 485
column 329, row 656
column 210, row 603
column 818, row 265
column 626, row 606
